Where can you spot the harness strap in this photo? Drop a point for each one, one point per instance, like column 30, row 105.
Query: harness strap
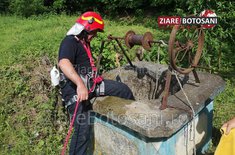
column 88, row 51
column 96, row 79
column 71, row 101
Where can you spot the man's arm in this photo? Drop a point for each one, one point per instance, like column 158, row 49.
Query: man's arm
column 69, row 71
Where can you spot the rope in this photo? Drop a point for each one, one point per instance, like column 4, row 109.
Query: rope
column 163, row 43
column 72, row 122
column 70, row 129
column 191, row 107
column 158, row 63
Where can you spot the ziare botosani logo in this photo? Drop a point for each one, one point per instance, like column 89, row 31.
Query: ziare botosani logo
column 207, row 19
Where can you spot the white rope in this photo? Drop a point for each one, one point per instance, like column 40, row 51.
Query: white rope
column 157, row 76
column 191, row 107
column 158, row 63
column 163, row 43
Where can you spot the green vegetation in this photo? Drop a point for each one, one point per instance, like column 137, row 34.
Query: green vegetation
column 31, row 120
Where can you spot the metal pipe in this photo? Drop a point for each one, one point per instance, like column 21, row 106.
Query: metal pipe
column 166, row 90
column 100, row 53
column 123, row 51
column 112, row 37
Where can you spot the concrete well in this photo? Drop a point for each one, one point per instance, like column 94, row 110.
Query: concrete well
column 125, row 127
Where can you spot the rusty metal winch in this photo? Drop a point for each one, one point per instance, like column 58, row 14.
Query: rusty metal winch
column 184, row 51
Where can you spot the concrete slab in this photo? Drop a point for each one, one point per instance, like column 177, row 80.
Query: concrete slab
column 143, row 116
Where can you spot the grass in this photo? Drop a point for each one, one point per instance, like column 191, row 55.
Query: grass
column 29, row 120
column 225, row 104
column 42, row 35
column 34, row 37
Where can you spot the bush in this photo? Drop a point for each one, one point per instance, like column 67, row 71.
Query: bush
column 219, row 41
column 27, row 8
column 4, row 4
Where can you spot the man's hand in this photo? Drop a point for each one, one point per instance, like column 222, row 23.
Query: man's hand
column 229, row 125
column 82, row 92
column 68, row 69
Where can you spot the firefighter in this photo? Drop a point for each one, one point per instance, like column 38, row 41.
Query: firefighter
column 82, row 81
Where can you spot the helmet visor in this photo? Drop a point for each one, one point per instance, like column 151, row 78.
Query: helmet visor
column 76, row 29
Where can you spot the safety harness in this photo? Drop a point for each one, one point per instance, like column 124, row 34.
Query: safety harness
column 95, row 77
column 90, row 80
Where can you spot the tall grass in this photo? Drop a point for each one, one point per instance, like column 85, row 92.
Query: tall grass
column 41, row 35
column 34, row 36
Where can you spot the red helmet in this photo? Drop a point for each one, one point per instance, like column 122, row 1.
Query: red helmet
column 91, row 21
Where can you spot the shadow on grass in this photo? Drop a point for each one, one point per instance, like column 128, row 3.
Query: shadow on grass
column 216, row 135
